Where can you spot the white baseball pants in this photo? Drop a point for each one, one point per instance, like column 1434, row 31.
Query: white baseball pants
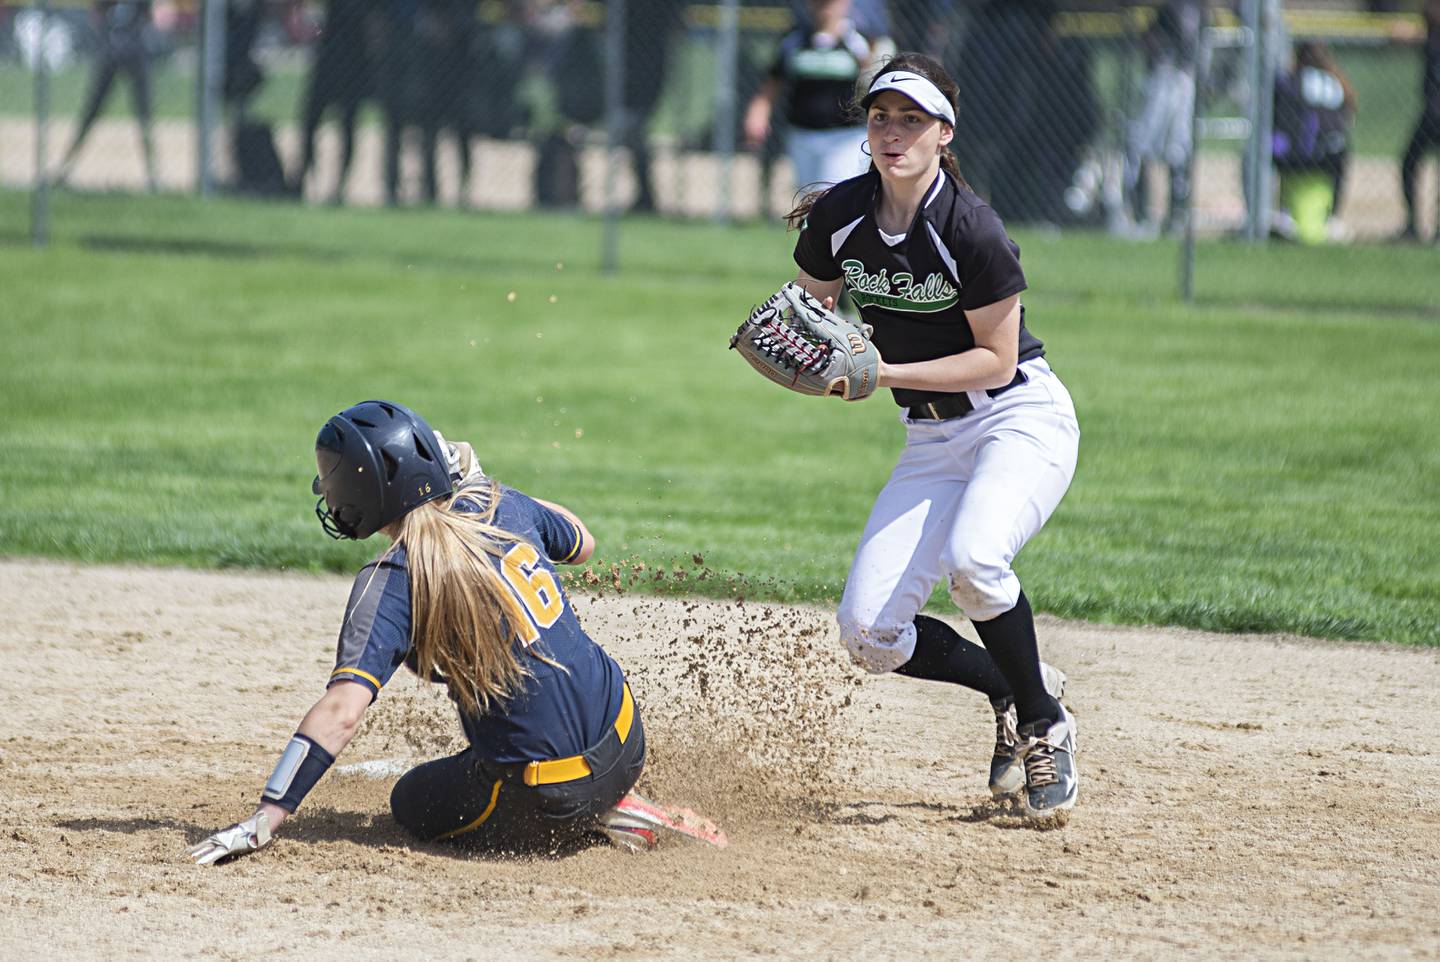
column 826, row 156
column 965, row 497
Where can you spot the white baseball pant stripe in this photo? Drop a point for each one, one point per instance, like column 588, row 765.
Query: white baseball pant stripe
column 965, row 497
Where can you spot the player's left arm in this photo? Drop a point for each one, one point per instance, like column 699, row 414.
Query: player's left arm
column 587, row 540
column 989, row 364
column 321, row 736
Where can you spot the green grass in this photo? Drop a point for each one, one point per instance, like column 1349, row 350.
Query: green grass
column 1265, row 460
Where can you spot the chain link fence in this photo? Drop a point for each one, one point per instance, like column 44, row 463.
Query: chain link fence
column 1073, row 114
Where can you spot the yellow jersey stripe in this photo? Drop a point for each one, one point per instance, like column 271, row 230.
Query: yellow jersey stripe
column 356, row 671
column 579, row 543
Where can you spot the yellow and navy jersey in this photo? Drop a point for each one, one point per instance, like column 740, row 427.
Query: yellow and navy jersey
column 563, row 708
column 915, row 289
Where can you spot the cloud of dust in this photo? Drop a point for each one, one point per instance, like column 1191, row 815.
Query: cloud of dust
column 747, row 707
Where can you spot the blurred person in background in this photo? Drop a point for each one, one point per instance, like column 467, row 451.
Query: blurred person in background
column 124, row 38
column 347, row 55
column 813, row 77
column 874, row 21
column 427, row 85
column 871, row 17
column 1031, row 110
column 1161, row 131
column 926, row 26
column 1314, row 115
column 1426, row 137
column 572, row 52
column 399, row 85
column 569, row 54
column 243, row 76
column 446, row 36
column 259, row 171
column 501, row 56
column 650, row 30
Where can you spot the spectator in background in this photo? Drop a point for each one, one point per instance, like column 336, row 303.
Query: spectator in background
column 752, row 71
column 570, row 55
column 870, row 17
column 873, row 18
column 445, row 33
column 813, row 76
column 574, row 55
column 650, row 30
column 501, row 55
column 1314, row 114
column 1065, row 120
column 427, row 84
column 258, row 168
column 1426, row 137
column 123, row 29
column 1161, row 132
column 243, row 76
column 1031, row 109
column 923, row 25
column 400, row 86
column 347, row 55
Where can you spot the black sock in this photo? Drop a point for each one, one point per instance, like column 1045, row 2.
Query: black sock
column 1010, row 640
column 942, row 655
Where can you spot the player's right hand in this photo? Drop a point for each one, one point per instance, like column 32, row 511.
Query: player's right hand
column 242, row 838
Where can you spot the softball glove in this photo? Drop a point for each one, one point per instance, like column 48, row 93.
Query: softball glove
column 796, row 342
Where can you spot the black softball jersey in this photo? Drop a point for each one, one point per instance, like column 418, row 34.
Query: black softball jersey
column 818, row 73
column 914, row 290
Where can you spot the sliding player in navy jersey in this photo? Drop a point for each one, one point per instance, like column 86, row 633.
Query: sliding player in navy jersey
column 466, row 595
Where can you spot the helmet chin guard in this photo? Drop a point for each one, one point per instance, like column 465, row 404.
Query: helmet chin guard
column 377, row 462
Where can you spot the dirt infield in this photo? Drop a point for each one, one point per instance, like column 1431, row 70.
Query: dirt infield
column 1242, row 797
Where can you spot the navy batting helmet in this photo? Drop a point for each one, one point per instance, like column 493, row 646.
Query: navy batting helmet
column 378, row 461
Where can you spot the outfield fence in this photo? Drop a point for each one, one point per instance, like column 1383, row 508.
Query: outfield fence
column 1074, row 114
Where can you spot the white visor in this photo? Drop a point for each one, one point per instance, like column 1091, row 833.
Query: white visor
column 926, row 95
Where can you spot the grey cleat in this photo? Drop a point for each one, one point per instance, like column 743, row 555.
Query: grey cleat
column 1048, row 750
column 1007, row 770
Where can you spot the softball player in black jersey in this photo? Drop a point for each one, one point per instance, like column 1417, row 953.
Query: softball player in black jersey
column 466, row 595
column 991, row 434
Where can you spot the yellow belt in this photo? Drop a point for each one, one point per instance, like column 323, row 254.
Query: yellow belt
column 569, row 769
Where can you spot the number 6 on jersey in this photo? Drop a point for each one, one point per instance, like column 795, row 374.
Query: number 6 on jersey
column 534, row 587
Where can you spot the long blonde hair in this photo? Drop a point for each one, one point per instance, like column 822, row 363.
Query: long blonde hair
column 464, row 619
